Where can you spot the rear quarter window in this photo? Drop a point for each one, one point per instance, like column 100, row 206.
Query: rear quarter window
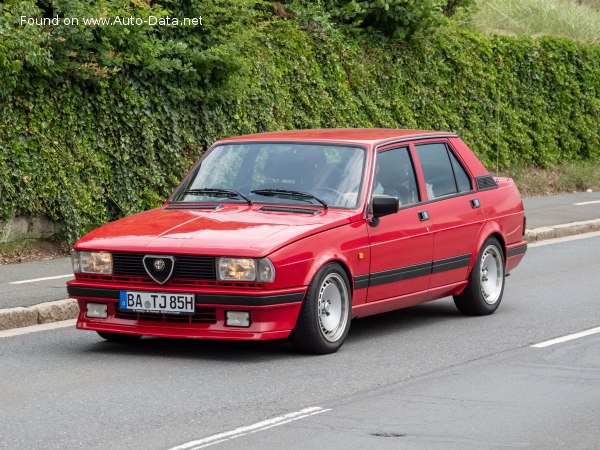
column 463, row 182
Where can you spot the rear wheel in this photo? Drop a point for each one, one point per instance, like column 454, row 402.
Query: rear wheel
column 324, row 319
column 118, row 337
column 483, row 294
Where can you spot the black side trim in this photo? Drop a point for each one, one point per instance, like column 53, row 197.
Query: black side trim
column 77, row 291
column 402, row 273
column 408, row 272
column 445, row 197
column 517, row 250
column 485, row 183
column 361, row 281
column 261, row 300
column 456, row 262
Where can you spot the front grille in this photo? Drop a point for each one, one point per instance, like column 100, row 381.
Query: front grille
column 172, row 282
column 202, row 315
column 202, row 267
column 130, row 264
column 189, row 267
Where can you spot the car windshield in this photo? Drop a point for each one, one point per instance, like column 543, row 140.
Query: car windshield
column 310, row 174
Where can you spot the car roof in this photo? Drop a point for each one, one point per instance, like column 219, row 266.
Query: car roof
column 365, row 136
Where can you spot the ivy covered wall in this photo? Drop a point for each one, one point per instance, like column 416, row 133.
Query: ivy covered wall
column 100, row 122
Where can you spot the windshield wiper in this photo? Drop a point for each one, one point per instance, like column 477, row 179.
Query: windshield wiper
column 228, row 192
column 285, row 192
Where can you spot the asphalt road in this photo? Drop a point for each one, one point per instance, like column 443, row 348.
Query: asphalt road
column 564, row 208
column 540, row 211
column 41, row 289
column 423, row 377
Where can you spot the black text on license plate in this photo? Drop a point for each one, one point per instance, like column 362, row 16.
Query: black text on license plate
column 160, row 302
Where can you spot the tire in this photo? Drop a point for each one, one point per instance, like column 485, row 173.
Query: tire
column 483, row 293
column 324, row 318
column 118, row 337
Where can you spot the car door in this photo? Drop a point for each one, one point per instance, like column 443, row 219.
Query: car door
column 401, row 243
column 454, row 209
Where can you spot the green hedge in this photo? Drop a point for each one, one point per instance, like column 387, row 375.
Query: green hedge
column 88, row 138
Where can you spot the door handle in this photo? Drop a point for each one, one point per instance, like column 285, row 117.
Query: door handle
column 475, row 203
column 423, row 216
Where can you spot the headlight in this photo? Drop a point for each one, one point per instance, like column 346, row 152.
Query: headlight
column 91, row 262
column 245, row 269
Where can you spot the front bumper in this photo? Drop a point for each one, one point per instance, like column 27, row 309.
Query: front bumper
column 273, row 314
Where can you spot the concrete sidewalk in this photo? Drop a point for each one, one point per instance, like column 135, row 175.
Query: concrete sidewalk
column 547, row 218
column 562, row 230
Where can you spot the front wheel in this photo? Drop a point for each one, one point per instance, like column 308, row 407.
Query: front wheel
column 324, row 319
column 484, row 291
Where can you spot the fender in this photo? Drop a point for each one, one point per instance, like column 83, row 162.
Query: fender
column 335, row 252
column 358, row 297
column 343, row 246
column 489, row 227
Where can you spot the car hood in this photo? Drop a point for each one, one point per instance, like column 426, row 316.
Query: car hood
column 232, row 230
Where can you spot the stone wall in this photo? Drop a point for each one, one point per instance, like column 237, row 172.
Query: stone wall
column 24, row 227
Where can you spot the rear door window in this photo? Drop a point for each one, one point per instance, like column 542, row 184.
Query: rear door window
column 442, row 171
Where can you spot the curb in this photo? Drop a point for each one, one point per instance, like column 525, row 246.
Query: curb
column 558, row 231
column 69, row 309
column 41, row 313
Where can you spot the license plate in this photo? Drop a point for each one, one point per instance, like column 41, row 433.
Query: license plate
column 157, row 302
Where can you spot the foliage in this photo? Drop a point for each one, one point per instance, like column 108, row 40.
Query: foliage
column 565, row 177
column 99, row 123
column 399, row 19
column 579, row 20
column 453, row 7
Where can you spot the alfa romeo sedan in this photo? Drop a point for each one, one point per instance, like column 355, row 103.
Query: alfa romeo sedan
column 293, row 234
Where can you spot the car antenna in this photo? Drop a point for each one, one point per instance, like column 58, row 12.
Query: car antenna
column 500, row 59
column 498, row 134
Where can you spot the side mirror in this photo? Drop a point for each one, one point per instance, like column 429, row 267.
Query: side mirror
column 384, row 205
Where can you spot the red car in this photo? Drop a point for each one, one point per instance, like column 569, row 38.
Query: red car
column 293, row 234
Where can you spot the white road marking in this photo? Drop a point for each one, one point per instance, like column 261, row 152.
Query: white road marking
column 574, row 237
column 37, row 328
column 242, row 431
column 569, row 337
column 34, row 280
column 586, row 203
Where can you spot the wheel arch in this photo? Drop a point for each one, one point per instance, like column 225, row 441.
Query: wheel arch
column 311, row 333
column 490, row 229
column 320, row 263
column 500, row 239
